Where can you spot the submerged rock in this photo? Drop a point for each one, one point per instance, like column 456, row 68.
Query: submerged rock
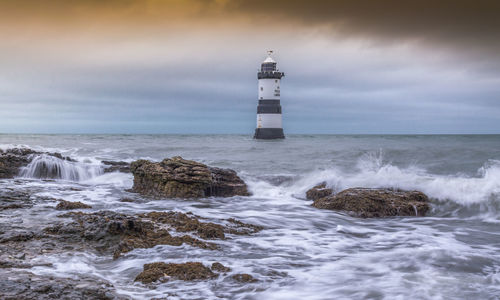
column 180, row 178
column 116, row 166
column 369, row 203
column 67, row 205
column 185, row 271
column 243, row 278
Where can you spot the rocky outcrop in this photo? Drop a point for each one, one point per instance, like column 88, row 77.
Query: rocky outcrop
column 369, row 203
column 120, row 233
column 160, row 271
column 67, row 205
column 11, row 160
column 111, row 232
column 180, row 178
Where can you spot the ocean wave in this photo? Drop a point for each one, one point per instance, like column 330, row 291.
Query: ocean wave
column 372, row 172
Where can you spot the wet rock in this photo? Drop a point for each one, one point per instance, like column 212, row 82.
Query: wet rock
column 246, row 278
column 15, row 199
column 160, row 271
column 318, row 192
column 119, row 233
column 16, row 236
column 241, row 228
column 11, row 160
column 26, row 285
column 116, row 166
column 127, row 200
column 369, row 203
column 183, row 223
column 67, row 205
column 218, row 267
column 207, row 230
column 179, row 178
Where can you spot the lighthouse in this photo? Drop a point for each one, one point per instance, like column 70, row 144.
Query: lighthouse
column 269, row 122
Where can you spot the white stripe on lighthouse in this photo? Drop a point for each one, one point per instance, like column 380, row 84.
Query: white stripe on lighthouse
column 269, row 89
column 269, row 121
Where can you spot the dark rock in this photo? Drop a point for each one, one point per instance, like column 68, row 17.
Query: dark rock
column 127, row 200
column 369, row 203
column 243, row 278
column 318, row 192
column 119, row 233
column 183, row 223
column 179, row 178
column 218, row 267
column 67, row 205
column 26, row 285
column 116, row 166
column 11, row 160
column 241, row 228
column 207, row 230
column 17, row 236
column 184, row 271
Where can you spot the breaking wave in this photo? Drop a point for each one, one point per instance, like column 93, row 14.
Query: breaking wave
column 46, row 166
column 481, row 192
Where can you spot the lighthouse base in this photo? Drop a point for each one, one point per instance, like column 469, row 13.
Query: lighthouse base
column 269, row 133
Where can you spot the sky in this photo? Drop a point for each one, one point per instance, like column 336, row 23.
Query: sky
column 190, row 66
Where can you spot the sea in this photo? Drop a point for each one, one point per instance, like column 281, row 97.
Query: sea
column 303, row 252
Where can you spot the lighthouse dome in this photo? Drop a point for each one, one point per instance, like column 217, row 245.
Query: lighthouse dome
column 269, row 59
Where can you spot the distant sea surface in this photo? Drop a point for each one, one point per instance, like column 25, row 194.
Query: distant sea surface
column 303, row 252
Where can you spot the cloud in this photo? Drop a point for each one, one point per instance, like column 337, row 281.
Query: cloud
column 190, row 66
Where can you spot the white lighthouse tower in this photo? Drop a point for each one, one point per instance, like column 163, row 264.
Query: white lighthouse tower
column 269, row 122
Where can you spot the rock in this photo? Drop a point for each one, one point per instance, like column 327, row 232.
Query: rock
column 218, row 267
column 369, row 203
column 318, row 192
column 14, row 199
column 11, row 160
column 243, row 278
column 207, row 230
column 116, row 166
column 67, row 205
column 185, row 271
column 179, row 178
column 183, row 223
column 17, row 236
column 119, row 233
column 125, row 199
column 26, row 285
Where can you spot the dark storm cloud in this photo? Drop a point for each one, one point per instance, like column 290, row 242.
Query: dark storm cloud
column 474, row 24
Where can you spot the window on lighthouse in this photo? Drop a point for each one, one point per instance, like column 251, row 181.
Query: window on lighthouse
column 261, row 88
